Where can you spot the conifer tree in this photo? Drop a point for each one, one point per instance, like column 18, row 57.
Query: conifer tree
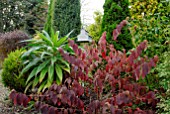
column 67, row 17
column 114, row 12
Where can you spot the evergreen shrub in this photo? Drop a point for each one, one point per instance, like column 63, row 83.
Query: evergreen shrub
column 114, row 12
column 11, row 71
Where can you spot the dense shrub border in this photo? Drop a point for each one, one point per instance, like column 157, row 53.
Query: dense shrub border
column 102, row 80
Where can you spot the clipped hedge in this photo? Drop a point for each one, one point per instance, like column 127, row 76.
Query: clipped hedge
column 10, row 41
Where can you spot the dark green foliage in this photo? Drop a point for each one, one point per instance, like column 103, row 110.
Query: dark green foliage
column 35, row 15
column 27, row 15
column 114, row 12
column 10, row 41
column 11, row 71
column 67, row 17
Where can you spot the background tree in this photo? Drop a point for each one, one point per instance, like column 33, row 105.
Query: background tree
column 20, row 14
column 67, row 17
column 114, row 12
column 95, row 28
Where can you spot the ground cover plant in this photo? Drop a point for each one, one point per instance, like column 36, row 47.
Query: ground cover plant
column 101, row 80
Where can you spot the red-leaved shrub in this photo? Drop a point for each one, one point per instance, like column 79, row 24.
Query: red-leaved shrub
column 102, row 80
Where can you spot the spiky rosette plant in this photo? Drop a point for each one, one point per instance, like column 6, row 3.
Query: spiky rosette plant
column 102, row 80
column 44, row 61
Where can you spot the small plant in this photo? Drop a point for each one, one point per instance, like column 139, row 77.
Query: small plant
column 102, row 80
column 44, row 61
column 12, row 67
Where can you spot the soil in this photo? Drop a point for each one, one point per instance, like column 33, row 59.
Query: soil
column 7, row 107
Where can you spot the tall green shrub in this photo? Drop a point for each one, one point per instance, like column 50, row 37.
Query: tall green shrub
column 67, row 17
column 114, row 12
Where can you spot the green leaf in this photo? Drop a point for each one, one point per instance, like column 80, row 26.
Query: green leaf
column 46, row 86
column 53, row 60
column 47, row 40
column 63, row 40
column 27, row 53
column 35, row 82
column 41, row 66
column 45, row 53
column 43, row 74
column 64, row 62
column 58, row 81
column 47, row 35
column 70, row 33
column 55, row 38
column 66, row 69
column 27, row 87
column 32, row 74
column 68, row 49
column 59, row 74
column 42, row 86
column 50, row 74
column 31, row 64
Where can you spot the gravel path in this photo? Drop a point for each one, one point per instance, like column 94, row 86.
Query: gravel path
column 6, row 106
column 4, row 93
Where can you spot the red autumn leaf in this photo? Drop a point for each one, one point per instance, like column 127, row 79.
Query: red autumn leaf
column 102, row 40
column 63, row 90
column 145, row 69
column 115, row 34
column 104, row 55
column 25, row 100
column 12, row 95
column 156, row 58
column 130, row 111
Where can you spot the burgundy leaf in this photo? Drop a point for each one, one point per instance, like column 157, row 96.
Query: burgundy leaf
column 102, row 40
column 44, row 109
column 63, row 90
column 37, row 105
column 12, row 94
column 25, row 100
column 145, row 69
column 52, row 110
